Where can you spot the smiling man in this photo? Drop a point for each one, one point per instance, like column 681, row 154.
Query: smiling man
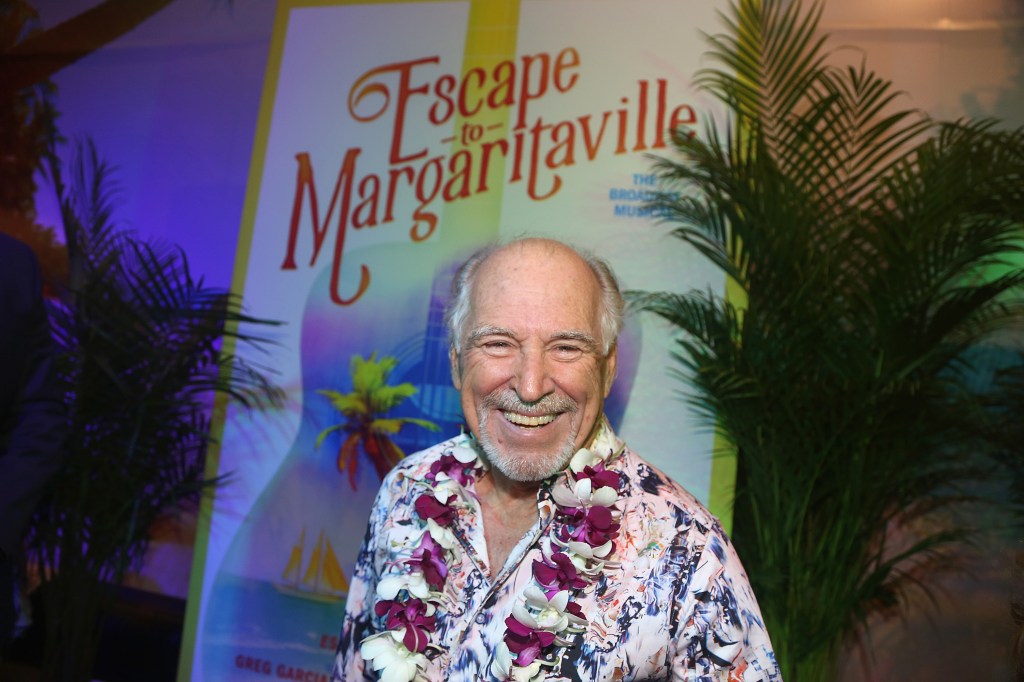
column 539, row 546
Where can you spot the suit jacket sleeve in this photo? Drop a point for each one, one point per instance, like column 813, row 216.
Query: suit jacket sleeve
column 32, row 413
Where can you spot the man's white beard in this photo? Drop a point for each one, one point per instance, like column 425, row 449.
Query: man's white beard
column 522, row 466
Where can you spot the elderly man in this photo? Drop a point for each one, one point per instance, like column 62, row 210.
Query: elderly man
column 539, row 546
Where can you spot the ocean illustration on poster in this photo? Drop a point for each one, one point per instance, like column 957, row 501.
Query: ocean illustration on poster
column 254, row 628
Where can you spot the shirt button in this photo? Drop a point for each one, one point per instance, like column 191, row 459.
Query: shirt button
column 480, row 619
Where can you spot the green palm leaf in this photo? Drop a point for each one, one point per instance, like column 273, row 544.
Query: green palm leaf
column 876, row 249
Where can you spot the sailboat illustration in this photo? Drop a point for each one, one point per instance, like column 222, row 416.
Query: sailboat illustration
column 323, row 580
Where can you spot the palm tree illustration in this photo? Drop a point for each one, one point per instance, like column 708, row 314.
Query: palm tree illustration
column 365, row 408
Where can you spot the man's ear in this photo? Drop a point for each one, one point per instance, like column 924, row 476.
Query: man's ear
column 453, row 359
column 609, row 369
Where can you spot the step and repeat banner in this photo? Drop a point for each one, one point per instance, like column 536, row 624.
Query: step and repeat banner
column 394, row 139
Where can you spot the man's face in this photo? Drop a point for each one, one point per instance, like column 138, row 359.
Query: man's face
column 532, row 373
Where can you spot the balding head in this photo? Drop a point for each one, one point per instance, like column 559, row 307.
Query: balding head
column 610, row 300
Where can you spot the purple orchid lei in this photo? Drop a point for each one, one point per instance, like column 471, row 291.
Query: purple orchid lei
column 573, row 555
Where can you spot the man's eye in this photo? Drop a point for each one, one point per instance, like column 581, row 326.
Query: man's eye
column 496, row 345
column 568, row 351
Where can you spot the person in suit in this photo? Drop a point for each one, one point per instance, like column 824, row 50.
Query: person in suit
column 32, row 412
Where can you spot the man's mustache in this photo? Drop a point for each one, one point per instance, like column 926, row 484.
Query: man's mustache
column 508, row 401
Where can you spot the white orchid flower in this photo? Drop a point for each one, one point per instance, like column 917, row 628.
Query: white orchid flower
column 602, row 551
column 543, row 613
column 529, row 673
column 414, row 582
column 386, row 653
column 605, row 496
column 443, row 536
column 582, row 459
column 584, row 551
column 587, row 560
column 502, row 662
column 444, row 487
column 464, row 454
column 581, row 494
column 564, row 494
column 550, row 609
column 505, row 668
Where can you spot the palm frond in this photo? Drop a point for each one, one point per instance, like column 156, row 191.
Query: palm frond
column 876, row 249
column 141, row 360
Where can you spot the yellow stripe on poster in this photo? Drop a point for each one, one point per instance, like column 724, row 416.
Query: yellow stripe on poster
column 186, row 655
column 490, row 39
column 724, row 465
column 722, row 491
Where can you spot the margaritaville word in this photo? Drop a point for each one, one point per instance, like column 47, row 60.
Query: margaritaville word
column 533, row 150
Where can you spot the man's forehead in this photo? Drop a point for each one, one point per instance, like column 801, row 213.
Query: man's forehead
column 544, row 264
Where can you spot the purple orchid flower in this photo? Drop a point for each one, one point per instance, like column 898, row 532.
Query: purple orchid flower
column 594, row 525
column 575, row 609
column 453, row 468
column 428, row 507
column 557, row 573
column 599, row 476
column 428, row 558
column 412, row 615
column 525, row 642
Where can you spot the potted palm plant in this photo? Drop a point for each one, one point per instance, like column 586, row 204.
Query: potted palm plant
column 145, row 350
column 863, row 245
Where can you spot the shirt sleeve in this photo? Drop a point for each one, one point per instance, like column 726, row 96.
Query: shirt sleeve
column 359, row 622
column 722, row 636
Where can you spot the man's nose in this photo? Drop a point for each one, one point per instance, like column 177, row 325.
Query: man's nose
column 531, row 376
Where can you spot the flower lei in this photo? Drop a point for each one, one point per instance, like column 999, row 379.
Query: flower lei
column 581, row 540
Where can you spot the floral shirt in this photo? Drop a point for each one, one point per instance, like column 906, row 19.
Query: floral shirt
column 672, row 603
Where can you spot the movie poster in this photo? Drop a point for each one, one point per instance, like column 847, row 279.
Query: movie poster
column 394, row 139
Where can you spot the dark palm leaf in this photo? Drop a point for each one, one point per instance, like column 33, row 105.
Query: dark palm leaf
column 145, row 350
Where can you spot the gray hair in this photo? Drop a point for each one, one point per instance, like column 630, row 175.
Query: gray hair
column 612, row 304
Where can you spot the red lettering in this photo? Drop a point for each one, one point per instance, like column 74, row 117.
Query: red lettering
column 256, row 665
column 365, row 214
column 641, row 119
column 591, row 143
column 682, row 115
column 504, row 77
column 305, row 185
column 563, row 135
column 361, row 89
column 287, row 672
column 371, row 96
column 531, row 188
column 659, row 125
column 444, row 88
column 409, row 175
column 525, row 93
column 425, row 196
column 562, row 63
column 623, row 117
column 485, row 161
column 478, row 74
column 530, row 145
column 460, row 165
